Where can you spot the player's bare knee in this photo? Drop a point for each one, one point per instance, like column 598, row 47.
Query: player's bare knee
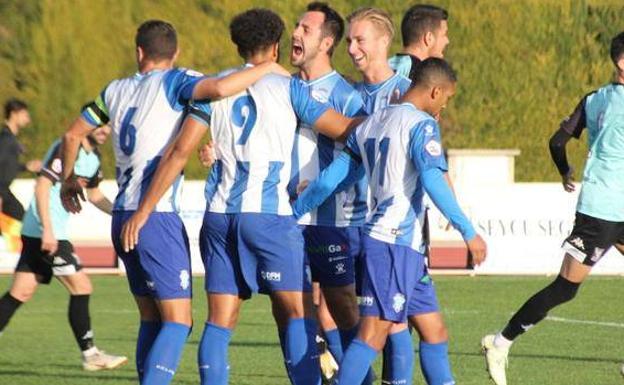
column 23, row 294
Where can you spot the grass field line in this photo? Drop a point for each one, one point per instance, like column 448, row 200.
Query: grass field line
column 585, row 322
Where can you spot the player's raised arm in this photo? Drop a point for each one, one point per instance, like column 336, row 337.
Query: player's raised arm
column 216, row 88
column 71, row 190
column 170, row 166
column 570, row 127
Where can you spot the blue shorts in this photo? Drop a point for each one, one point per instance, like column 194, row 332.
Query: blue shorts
column 331, row 252
column 395, row 283
column 160, row 264
column 251, row 252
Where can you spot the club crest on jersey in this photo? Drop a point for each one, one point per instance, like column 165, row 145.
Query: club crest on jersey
column 398, row 302
column 185, row 279
column 434, row 148
column 321, row 95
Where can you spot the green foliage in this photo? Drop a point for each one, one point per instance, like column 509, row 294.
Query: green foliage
column 523, row 65
column 37, row 347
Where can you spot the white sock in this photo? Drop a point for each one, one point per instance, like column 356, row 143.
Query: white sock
column 501, row 342
column 89, row 352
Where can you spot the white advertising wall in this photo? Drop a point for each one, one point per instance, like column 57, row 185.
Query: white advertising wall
column 524, row 225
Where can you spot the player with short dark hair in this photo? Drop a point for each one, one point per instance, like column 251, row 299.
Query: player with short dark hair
column 145, row 111
column 599, row 222
column 248, row 203
column 399, row 149
column 47, row 251
column 17, row 117
column 332, row 232
column 424, row 30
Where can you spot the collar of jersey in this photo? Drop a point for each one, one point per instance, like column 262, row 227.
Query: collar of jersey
column 373, row 88
column 322, row 78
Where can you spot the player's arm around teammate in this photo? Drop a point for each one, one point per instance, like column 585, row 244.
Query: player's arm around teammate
column 206, row 88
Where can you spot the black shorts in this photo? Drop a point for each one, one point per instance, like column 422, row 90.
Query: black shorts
column 591, row 238
column 10, row 205
column 33, row 260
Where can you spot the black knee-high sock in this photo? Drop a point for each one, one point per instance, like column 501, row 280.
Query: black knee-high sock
column 80, row 320
column 537, row 307
column 8, row 306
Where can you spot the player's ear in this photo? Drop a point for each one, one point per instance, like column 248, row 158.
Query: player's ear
column 620, row 64
column 175, row 55
column 436, row 92
column 429, row 38
column 139, row 54
column 326, row 43
column 275, row 51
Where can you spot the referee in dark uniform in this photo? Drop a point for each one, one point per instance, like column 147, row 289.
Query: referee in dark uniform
column 16, row 117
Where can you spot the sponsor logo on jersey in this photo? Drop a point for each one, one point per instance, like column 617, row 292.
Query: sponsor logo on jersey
column 398, row 302
column 185, row 279
column 434, row 148
column 274, row 276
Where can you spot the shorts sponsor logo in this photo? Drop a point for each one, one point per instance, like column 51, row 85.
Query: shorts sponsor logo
column 598, row 253
column 274, row 276
column 365, row 301
column 398, row 302
column 150, row 284
column 578, row 243
column 331, row 249
column 340, row 268
column 335, row 259
column 165, row 369
column 185, row 279
column 58, row 261
column 434, row 148
column 57, row 166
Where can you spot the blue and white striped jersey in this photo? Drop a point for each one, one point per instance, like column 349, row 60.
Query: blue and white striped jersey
column 380, row 95
column 254, row 132
column 144, row 112
column 313, row 152
column 397, row 144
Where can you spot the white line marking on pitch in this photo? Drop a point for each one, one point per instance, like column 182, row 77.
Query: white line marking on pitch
column 585, row 322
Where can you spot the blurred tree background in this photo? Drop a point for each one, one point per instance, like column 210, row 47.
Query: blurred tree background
column 523, row 65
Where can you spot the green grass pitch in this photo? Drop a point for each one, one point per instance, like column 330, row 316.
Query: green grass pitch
column 38, row 348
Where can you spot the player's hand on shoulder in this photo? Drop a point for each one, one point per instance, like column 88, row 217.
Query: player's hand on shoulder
column 568, row 181
column 207, row 154
column 302, row 186
column 277, row 68
column 478, row 249
column 71, row 194
column 131, row 229
column 49, row 244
